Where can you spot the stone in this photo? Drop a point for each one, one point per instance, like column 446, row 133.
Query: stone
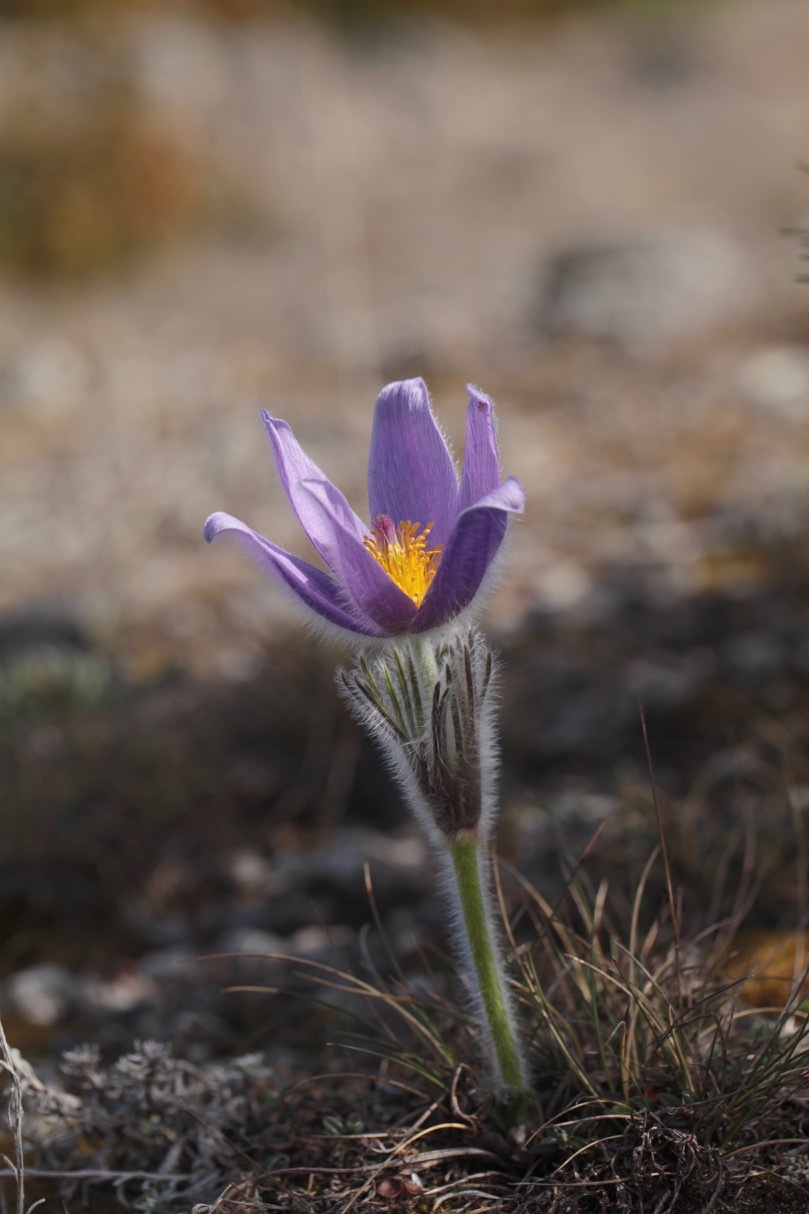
column 643, row 290
column 41, row 994
column 775, row 380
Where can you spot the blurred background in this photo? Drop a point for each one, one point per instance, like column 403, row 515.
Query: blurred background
column 211, row 207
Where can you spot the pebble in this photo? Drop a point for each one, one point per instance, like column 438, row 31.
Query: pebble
column 41, row 995
column 47, row 380
column 40, row 625
column 397, row 865
column 251, row 873
column 128, row 990
column 250, row 941
column 643, row 291
column 776, row 381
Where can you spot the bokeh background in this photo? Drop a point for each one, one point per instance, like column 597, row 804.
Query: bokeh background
column 207, row 208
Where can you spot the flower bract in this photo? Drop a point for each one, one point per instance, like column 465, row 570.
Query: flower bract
column 432, row 537
column 433, row 720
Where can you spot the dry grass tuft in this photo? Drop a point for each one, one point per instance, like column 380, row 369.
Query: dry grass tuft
column 658, row 1088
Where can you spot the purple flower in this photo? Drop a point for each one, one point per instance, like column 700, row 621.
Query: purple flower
column 432, row 540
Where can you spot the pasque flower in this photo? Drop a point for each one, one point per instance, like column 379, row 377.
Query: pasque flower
column 432, row 536
column 427, row 697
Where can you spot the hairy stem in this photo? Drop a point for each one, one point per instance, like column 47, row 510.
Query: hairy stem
column 467, row 862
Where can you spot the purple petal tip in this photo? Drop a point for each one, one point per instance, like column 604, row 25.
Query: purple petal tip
column 211, row 528
column 515, row 498
column 479, row 398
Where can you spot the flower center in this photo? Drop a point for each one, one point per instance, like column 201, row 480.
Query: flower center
column 403, row 553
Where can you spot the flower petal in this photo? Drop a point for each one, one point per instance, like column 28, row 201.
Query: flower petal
column 481, row 462
column 315, row 589
column 363, row 580
column 468, row 555
column 410, row 470
column 294, row 467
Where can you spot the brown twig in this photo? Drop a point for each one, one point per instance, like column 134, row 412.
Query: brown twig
column 17, row 1169
column 99, row 1174
column 675, row 917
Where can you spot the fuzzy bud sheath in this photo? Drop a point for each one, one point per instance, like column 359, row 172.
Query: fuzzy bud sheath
column 429, row 705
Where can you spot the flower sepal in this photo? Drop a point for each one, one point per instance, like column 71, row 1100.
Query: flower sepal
column 429, row 705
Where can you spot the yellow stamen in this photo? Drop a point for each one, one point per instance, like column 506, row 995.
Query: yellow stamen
column 403, row 553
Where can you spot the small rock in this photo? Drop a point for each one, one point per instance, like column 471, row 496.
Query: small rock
column 47, row 380
column 251, row 874
column 563, row 586
column 643, row 291
column 250, row 942
column 38, row 627
column 174, row 964
column 41, row 995
column 755, row 656
column 776, row 381
column 397, row 865
column 669, row 680
column 249, row 955
column 320, row 943
column 664, row 58
column 131, row 988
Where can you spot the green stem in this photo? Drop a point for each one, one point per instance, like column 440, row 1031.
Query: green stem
column 467, row 862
